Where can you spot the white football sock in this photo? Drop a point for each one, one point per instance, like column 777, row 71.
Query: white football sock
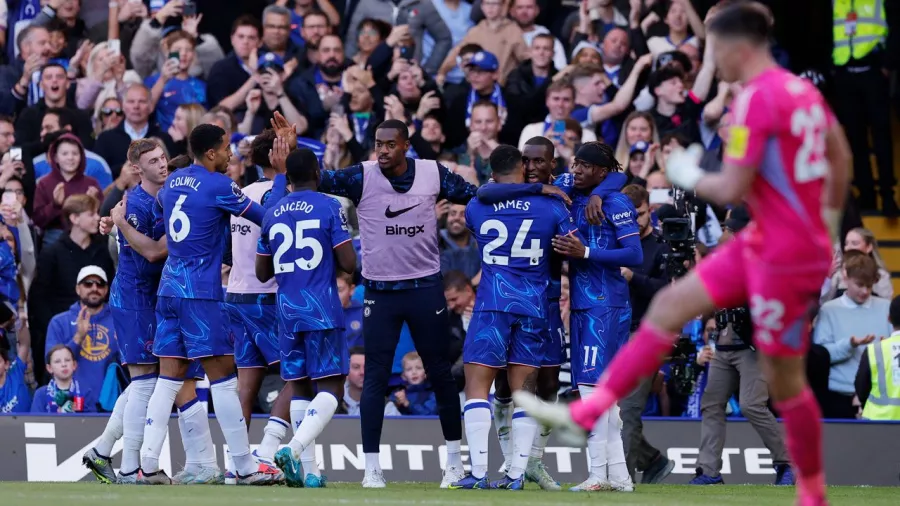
column 503, row 412
column 114, row 426
column 274, row 432
column 541, row 435
column 477, row 416
column 299, row 406
column 231, row 420
column 158, row 411
column 596, row 444
column 454, row 454
column 139, row 392
column 615, row 449
column 523, row 430
column 195, row 435
column 372, row 462
column 318, row 414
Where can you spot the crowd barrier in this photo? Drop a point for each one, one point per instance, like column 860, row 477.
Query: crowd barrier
column 49, row 448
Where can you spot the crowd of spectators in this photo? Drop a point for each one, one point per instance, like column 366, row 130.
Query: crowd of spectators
column 83, row 78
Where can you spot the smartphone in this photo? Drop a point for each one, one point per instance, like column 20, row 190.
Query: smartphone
column 8, row 199
column 407, row 52
column 115, row 46
column 661, row 196
column 15, row 154
column 174, row 55
column 190, row 8
column 338, row 109
column 559, row 128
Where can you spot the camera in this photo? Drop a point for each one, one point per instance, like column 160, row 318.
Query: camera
column 683, row 370
column 741, row 325
column 677, row 230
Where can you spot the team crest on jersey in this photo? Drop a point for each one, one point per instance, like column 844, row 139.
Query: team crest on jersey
column 133, row 220
column 355, row 324
column 237, row 192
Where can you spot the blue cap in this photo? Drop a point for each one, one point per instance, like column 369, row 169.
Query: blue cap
column 169, row 29
column 484, row 60
column 270, row 60
column 639, row 147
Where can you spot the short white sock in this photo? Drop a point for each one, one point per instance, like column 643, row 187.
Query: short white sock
column 299, row 406
column 231, row 419
column 477, row 416
column 195, row 435
column 318, row 414
column 615, row 449
column 114, row 426
column 523, row 430
column 157, row 425
column 503, row 411
column 273, row 434
column 134, row 419
column 372, row 462
column 454, row 454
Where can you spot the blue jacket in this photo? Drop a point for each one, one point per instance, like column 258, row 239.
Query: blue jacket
column 97, row 351
column 421, row 400
column 14, row 394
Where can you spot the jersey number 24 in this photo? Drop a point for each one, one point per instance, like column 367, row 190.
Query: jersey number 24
column 535, row 252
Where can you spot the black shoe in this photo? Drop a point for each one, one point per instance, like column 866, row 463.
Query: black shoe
column 658, row 471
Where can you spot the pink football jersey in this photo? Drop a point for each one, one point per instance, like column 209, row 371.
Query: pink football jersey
column 780, row 124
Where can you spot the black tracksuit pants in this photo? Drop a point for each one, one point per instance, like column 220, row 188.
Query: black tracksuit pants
column 425, row 311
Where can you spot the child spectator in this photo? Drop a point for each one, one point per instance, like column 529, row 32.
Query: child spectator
column 14, row 394
column 63, row 394
column 416, row 397
column 858, row 239
column 353, row 310
column 68, row 162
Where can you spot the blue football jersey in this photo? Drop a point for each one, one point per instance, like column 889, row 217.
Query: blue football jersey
column 137, row 279
column 514, row 238
column 300, row 233
column 176, row 92
column 591, row 283
column 196, row 205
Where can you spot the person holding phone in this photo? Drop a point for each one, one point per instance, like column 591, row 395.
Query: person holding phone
column 268, row 97
column 560, row 103
column 173, row 86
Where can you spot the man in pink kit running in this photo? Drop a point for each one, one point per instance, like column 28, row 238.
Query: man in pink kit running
column 789, row 159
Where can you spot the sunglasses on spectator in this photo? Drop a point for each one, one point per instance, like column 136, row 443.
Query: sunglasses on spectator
column 90, row 283
column 106, row 111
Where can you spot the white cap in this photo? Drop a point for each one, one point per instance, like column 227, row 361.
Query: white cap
column 91, row 270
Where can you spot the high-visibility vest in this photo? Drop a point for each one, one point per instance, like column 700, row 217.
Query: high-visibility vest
column 884, row 364
column 859, row 26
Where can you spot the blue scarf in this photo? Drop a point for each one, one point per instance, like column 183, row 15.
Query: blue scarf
column 361, row 122
column 496, row 98
column 63, row 401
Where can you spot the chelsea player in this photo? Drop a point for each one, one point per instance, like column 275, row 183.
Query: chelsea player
column 132, row 302
column 196, row 203
column 601, row 311
column 509, row 323
column 304, row 238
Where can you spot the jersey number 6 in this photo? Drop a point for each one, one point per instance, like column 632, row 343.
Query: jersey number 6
column 184, row 223
column 298, row 241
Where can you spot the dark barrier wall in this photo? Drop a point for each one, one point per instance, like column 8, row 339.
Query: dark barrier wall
column 50, row 447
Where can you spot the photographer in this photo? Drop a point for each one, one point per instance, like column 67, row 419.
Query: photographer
column 643, row 283
column 733, row 366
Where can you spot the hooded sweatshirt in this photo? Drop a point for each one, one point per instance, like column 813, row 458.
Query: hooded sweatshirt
column 47, row 213
column 93, row 356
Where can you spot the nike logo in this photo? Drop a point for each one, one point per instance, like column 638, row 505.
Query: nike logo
column 483, row 452
column 439, row 312
column 393, row 214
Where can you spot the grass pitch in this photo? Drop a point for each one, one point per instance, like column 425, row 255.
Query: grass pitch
column 404, row 494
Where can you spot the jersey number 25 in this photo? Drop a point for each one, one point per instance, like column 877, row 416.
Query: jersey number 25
column 297, row 241
column 810, row 125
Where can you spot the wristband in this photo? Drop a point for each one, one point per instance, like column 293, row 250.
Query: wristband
column 587, row 252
